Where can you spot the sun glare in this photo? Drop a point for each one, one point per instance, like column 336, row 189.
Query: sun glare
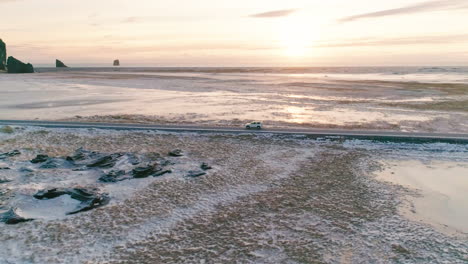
column 296, row 36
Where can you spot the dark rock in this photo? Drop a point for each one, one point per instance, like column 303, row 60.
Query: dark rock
column 116, row 63
column 89, row 198
column 78, row 155
column 133, row 159
column 114, row 176
column 195, row 174
column 50, row 193
column 16, row 66
column 106, row 161
column 3, row 180
column 50, row 164
column 24, row 169
column 10, row 217
column 2, row 55
column 161, row 173
column 81, row 154
column 10, row 154
column 91, row 204
column 205, row 166
column 59, row 64
column 165, row 162
column 176, row 153
column 143, row 172
column 40, row 159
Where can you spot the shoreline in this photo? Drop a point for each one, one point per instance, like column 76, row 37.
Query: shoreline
column 377, row 135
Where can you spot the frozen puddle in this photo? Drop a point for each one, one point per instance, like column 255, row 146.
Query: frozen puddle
column 443, row 189
column 51, row 209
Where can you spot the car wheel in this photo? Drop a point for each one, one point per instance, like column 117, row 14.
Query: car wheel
column 248, row 127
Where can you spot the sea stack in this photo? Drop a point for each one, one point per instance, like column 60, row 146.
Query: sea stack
column 16, row 66
column 59, row 64
column 116, row 63
column 2, row 55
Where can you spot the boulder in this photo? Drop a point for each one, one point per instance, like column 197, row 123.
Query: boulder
column 10, row 217
column 176, row 153
column 143, row 172
column 205, row 166
column 40, row 159
column 50, row 193
column 114, row 176
column 16, row 66
column 82, row 154
column 89, row 198
column 59, row 64
column 52, row 164
column 116, row 63
column 106, row 161
column 2, row 55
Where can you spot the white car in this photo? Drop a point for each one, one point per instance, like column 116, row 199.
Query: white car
column 257, row 125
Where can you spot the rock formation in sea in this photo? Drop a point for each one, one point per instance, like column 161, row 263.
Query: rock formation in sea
column 116, row 63
column 16, row 66
column 2, row 55
column 59, row 64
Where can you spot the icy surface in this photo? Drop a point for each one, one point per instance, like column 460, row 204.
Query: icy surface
column 268, row 199
column 413, row 101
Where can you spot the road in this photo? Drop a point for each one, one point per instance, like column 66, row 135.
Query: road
column 315, row 133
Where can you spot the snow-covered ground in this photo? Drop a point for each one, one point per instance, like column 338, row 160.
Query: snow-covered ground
column 268, row 199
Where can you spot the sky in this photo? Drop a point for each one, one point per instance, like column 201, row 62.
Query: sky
column 237, row 33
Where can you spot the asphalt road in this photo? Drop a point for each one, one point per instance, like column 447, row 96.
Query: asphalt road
column 315, row 133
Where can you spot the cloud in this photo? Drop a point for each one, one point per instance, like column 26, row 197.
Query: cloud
column 132, row 19
column 411, row 9
column 276, row 13
column 427, row 40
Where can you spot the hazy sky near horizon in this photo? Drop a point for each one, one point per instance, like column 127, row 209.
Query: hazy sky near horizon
column 237, row 33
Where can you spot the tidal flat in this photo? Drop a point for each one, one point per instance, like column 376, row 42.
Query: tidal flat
column 417, row 100
column 266, row 198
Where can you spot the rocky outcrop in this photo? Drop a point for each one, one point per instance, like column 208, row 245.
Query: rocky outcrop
column 10, row 217
column 114, row 176
column 2, row 55
column 195, row 174
column 107, row 161
column 40, row 159
column 10, row 154
column 143, row 172
column 116, row 63
column 89, row 198
column 59, row 64
column 16, row 66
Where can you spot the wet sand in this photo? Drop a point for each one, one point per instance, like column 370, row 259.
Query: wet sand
column 232, row 99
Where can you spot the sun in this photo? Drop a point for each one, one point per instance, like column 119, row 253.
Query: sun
column 296, row 36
